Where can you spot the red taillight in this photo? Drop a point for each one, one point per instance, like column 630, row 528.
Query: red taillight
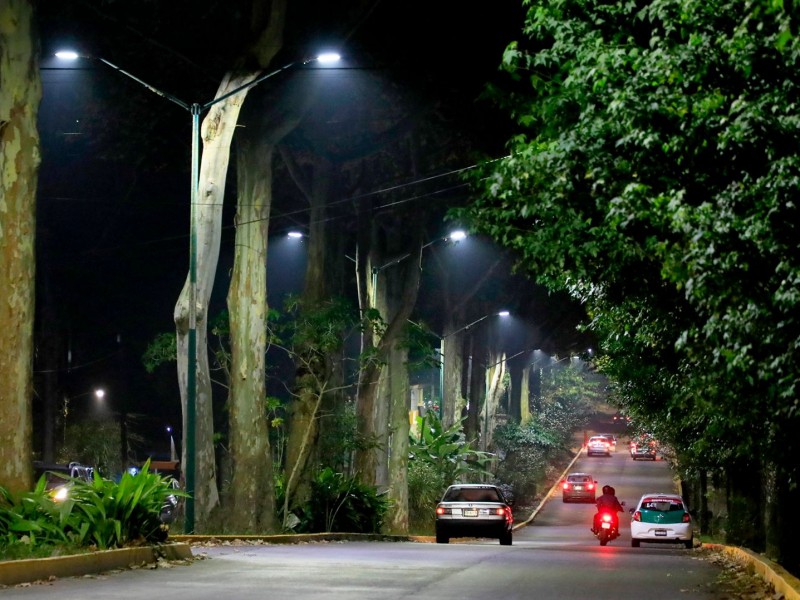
column 607, row 517
column 500, row 511
column 686, row 518
column 443, row 511
column 637, row 516
column 566, row 485
column 590, row 487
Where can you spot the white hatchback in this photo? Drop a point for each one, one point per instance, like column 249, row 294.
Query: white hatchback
column 661, row 518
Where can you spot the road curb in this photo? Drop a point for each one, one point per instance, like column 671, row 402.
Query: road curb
column 536, row 510
column 295, row 538
column 781, row 580
column 13, row 572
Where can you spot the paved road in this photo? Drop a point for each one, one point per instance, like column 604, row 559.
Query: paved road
column 557, row 558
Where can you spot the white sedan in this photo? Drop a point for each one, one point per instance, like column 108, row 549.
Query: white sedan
column 661, row 518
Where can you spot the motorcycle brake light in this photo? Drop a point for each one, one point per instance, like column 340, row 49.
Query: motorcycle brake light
column 637, row 516
column 607, row 518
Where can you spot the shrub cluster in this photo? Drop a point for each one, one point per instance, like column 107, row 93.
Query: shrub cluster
column 97, row 514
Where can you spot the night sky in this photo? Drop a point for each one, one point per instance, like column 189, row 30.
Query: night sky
column 113, row 212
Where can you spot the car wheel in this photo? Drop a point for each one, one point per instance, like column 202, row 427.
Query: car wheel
column 634, row 543
column 441, row 538
column 505, row 539
column 689, row 544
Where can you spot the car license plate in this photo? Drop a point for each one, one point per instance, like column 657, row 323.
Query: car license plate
column 473, row 512
column 578, row 488
column 661, row 532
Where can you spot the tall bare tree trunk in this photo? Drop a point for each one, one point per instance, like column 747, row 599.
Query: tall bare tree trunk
column 217, row 132
column 400, row 393
column 495, row 388
column 252, row 493
column 453, row 374
column 525, row 395
column 19, row 165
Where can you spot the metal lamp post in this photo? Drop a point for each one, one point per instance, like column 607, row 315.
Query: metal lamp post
column 196, row 109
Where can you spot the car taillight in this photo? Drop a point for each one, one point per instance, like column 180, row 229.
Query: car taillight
column 440, row 510
column 637, row 516
column 500, row 511
column 686, row 518
column 566, row 485
column 590, row 487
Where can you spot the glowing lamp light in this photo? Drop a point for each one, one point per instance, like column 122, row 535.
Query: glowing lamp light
column 503, row 313
column 295, row 235
column 67, row 55
column 328, row 58
column 458, row 235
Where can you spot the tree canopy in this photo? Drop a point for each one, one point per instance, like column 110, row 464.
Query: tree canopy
column 655, row 178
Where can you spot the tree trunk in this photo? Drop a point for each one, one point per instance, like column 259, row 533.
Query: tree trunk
column 400, row 391
column 19, row 164
column 494, row 392
column 525, row 396
column 251, row 493
column 303, row 423
column 217, row 132
column 453, row 375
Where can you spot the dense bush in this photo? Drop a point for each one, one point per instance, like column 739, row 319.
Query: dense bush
column 100, row 513
column 341, row 503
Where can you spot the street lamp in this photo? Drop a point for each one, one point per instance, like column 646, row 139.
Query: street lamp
column 453, row 236
column 196, row 109
column 502, row 313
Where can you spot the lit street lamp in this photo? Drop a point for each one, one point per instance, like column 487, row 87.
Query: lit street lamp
column 196, row 109
column 502, row 313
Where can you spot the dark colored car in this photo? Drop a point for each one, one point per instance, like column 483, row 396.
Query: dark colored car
column 474, row 510
column 643, row 447
column 578, row 486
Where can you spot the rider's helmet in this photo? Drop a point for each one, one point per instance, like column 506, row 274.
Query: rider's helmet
column 607, row 489
column 611, row 490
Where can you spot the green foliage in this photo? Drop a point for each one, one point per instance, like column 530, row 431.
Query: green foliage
column 341, row 503
column 655, row 179
column 100, row 513
column 163, row 348
column 426, row 485
column 447, row 452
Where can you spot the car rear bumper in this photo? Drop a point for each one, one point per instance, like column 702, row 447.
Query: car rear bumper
column 653, row 532
column 473, row 527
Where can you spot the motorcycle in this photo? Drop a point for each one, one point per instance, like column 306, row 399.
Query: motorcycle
column 606, row 526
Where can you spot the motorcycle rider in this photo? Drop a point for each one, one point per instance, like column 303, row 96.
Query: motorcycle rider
column 608, row 502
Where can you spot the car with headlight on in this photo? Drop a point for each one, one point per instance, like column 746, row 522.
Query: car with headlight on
column 578, row 486
column 474, row 510
column 661, row 518
column 598, row 445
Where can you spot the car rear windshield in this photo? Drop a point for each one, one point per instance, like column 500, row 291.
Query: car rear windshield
column 472, row 495
column 661, row 504
column 579, row 479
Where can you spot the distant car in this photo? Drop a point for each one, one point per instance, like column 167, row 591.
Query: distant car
column 474, row 510
column 644, row 447
column 610, row 437
column 578, row 486
column 661, row 518
column 59, row 478
column 598, row 445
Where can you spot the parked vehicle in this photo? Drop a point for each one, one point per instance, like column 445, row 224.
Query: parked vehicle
column 578, row 486
column 661, row 518
column 474, row 510
column 598, row 445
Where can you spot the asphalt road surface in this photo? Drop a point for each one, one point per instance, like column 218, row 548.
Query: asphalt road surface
column 556, row 557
